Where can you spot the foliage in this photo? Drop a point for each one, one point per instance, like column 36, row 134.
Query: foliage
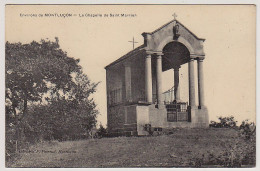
column 247, row 129
column 148, row 128
column 224, row 122
column 242, row 150
column 30, row 68
column 61, row 120
column 102, row 132
column 47, row 94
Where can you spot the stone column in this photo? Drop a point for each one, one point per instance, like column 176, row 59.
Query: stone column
column 128, row 89
column 191, row 84
column 176, row 84
column 159, row 78
column 200, row 82
column 148, row 78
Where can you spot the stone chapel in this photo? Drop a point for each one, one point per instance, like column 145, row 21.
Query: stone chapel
column 134, row 83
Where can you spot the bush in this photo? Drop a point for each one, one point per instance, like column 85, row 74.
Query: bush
column 247, row 129
column 102, row 132
column 241, row 152
column 148, row 128
column 234, row 155
column 224, row 122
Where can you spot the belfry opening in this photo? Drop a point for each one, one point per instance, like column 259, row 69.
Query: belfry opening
column 135, row 96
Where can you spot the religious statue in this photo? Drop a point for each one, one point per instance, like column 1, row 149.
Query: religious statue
column 175, row 28
column 175, row 31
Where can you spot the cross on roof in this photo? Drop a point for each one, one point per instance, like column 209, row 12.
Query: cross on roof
column 133, row 42
column 174, row 15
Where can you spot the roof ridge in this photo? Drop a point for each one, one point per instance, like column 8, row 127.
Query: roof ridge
column 135, row 49
column 126, row 55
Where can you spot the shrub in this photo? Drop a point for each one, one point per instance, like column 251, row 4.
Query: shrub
column 247, row 129
column 148, row 128
column 102, row 132
column 224, row 122
column 242, row 151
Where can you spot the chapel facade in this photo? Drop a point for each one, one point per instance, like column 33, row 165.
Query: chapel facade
column 134, row 83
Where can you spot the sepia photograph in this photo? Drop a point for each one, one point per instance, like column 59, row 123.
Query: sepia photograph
column 130, row 86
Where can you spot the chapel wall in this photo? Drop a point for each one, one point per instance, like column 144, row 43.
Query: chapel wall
column 138, row 78
column 115, row 98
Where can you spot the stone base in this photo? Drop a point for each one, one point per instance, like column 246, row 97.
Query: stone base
column 157, row 118
column 199, row 117
column 142, row 117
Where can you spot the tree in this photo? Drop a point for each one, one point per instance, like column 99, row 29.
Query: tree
column 42, row 79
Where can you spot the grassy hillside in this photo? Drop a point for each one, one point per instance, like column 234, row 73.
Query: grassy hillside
column 183, row 148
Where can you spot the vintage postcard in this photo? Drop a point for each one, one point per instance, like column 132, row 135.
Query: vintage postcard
column 130, row 86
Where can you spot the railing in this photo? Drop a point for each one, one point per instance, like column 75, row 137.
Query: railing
column 168, row 95
column 177, row 111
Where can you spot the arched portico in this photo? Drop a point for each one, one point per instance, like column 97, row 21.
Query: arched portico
column 169, row 39
column 174, row 61
column 170, row 53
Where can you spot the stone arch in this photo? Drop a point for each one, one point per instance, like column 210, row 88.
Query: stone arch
column 174, row 55
column 180, row 40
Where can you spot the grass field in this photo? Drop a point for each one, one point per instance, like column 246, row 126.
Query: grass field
column 183, row 148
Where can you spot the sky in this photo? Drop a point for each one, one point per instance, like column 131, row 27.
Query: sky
column 230, row 46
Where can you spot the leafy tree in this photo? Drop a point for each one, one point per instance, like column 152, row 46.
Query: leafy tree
column 46, row 91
